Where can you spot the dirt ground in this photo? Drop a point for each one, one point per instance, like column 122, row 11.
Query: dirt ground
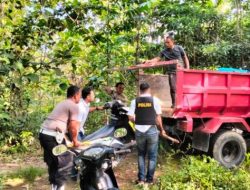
column 126, row 173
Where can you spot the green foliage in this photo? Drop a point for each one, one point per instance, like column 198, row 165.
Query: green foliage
column 17, row 143
column 47, row 45
column 95, row 121
column 203, row 173
column 29, row 174
column 1, row 182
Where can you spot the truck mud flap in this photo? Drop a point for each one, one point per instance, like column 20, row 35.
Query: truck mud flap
column 201, row 141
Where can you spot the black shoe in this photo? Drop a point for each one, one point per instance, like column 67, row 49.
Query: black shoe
column 150, row 182
column 139, row 182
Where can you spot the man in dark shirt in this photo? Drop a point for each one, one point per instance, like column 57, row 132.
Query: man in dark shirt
column 172, row 52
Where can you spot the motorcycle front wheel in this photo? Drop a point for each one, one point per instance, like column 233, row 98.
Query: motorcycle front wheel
column 85, row 185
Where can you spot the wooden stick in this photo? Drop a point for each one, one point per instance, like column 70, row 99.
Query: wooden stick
column 144, row 66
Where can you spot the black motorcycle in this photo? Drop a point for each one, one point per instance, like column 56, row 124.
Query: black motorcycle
column 102, row 150
column 95, row 165
column 118, row 119
column 94, row 161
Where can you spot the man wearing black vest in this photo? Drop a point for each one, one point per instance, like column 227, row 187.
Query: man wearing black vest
column 145, row 111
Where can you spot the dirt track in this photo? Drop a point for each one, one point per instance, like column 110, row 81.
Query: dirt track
column 126, row 173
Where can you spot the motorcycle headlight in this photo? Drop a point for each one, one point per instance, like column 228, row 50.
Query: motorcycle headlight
column 78, row 162
column 94, row 153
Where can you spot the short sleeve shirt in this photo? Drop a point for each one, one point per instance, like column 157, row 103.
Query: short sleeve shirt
column 63, row 113
column 83, row 113
column 157, row 107
column 120, row 97
column 171, row 54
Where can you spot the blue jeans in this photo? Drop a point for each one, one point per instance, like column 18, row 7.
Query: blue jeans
column 147, row 144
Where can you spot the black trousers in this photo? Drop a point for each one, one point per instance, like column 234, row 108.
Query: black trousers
column 172, row 85
column 59, row 167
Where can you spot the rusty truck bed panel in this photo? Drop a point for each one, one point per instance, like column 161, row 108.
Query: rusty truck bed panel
column 160, row 89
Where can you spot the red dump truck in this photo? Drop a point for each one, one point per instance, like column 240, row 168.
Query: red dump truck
column 212, row 109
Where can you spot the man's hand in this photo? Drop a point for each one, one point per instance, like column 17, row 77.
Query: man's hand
column 76, row 143
column 162, row 132
column 146, row 62
column 164, row 135
column 108, row 89
column 156, row 59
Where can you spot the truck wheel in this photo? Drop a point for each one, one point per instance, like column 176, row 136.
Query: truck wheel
column 229, row 148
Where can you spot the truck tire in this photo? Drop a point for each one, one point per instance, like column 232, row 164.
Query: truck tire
column 229, row 148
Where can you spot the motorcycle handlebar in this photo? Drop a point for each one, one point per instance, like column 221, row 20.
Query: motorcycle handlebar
column 122, row 151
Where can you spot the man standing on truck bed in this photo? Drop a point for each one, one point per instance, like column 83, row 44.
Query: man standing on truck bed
column 172, row 52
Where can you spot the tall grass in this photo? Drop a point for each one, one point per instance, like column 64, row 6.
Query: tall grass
column 29, row 174
column 203, row 173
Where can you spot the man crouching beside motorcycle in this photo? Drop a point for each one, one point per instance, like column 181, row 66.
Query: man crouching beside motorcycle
column 52, row 133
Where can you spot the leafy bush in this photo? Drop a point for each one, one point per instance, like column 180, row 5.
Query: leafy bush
column 1, row 182
column 204, row 173
column 95, row 121
column 18, row 143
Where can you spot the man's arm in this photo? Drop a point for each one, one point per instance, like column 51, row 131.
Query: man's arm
column 96, row 108
column 73, row 130
column 157, row 107
column 156, row 59
column 163, row 132
column 186, row 61
column 184, row 57
column 109, row 90
column 131, row 112
column 74, row 124
column 159, row 125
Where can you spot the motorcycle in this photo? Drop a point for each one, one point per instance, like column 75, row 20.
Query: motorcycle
column 119, row 119
column 95, row 165
column 102, row 150
column 94, row 161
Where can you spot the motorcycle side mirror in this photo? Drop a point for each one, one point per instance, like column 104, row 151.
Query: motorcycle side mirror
column 121, row 132
column 59, row 149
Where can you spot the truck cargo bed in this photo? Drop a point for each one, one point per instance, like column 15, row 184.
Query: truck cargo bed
column 212, row 93
column 203, row 94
